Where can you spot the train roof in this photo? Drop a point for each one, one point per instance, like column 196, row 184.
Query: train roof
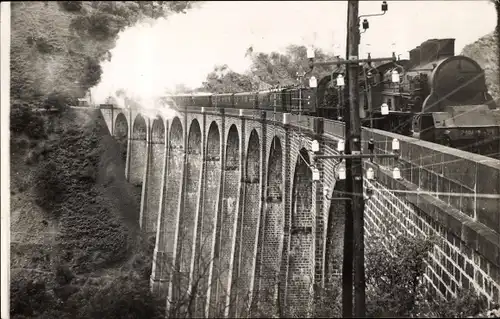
column 193, row 94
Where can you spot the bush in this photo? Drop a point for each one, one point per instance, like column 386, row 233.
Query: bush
column 24, row 121
column 49, row 189
column 126, row 297
column 59, row 100
column 28, row 297
column 467, row 303
column 394, row 277
column 92, row 73
column 71, row 6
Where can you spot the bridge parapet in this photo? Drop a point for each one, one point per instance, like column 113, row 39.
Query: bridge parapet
column 465, row 181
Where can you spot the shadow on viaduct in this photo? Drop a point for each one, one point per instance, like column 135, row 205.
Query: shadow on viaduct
column 240, row 225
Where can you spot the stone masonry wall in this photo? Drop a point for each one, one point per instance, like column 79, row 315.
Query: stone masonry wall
column 272, row 225
column 138, row 151
column 188, row 212
column 170, row 208
column 247, row 231
column 301, row 254
column 154, row 178
column 212, row 176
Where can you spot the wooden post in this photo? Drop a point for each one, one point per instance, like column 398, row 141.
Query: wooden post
column 347, row 261
column 357, row 164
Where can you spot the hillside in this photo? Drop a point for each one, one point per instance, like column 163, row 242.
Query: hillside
column 74, row 218
column 56, row 46
column 485, row 52
column 76, row 249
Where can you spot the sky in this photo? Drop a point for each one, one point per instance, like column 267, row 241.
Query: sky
column 183, row 48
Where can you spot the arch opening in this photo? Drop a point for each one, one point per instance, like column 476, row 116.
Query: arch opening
column 121, row 135
column 301, row 254
column 272, row 225
column 213, row 142
column 121, row 126
column 275, row 174
column 176, row 135
column 139, row 128
column 232, row 149
column 194, row 138
column 253, row 158
column 158, row 131
column 221, row 280
column 206, row 225
column 335, row 236
column 188, row 213
column 247, row 231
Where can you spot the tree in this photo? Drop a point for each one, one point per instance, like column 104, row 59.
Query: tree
column 223, row 79
column 267, row 70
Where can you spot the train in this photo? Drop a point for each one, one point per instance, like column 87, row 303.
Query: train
column 434, row 95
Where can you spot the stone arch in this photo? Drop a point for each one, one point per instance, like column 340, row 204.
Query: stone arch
column 335, row 235
column 121, row 135
column 151, row 204
column 272, row 225
column 213, row 142
column 176, row 140
column 121, row 126
column 194, row 138
column 212, row 177
column 158, row 131
column 138, row 151
column 139, row 128
column 253, row 158
column 188, row 213
column 274, row 172
column 247, row 231
column 225, row 224
column 170, row 205
column 232, row 149
column 301, row 254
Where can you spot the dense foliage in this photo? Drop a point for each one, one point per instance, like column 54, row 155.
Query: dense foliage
column 268, row 70
column 395, row 285
column 79, row 185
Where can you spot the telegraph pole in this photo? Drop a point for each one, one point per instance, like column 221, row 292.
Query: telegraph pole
column 347, row 260
column 355, row 201
column 358, row 203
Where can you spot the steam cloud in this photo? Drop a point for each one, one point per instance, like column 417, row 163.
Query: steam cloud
column 152, row 58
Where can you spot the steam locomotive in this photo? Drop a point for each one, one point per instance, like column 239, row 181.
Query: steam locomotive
column 438, row 97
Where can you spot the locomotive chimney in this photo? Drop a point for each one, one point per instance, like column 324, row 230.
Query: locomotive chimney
column 446, row 48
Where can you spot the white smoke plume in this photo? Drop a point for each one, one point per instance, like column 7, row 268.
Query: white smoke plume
column 155, row 57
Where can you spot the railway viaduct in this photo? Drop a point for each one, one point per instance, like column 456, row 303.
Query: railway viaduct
column 230, row 198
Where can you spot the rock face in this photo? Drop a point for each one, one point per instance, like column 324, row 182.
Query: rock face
column 485, row 52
